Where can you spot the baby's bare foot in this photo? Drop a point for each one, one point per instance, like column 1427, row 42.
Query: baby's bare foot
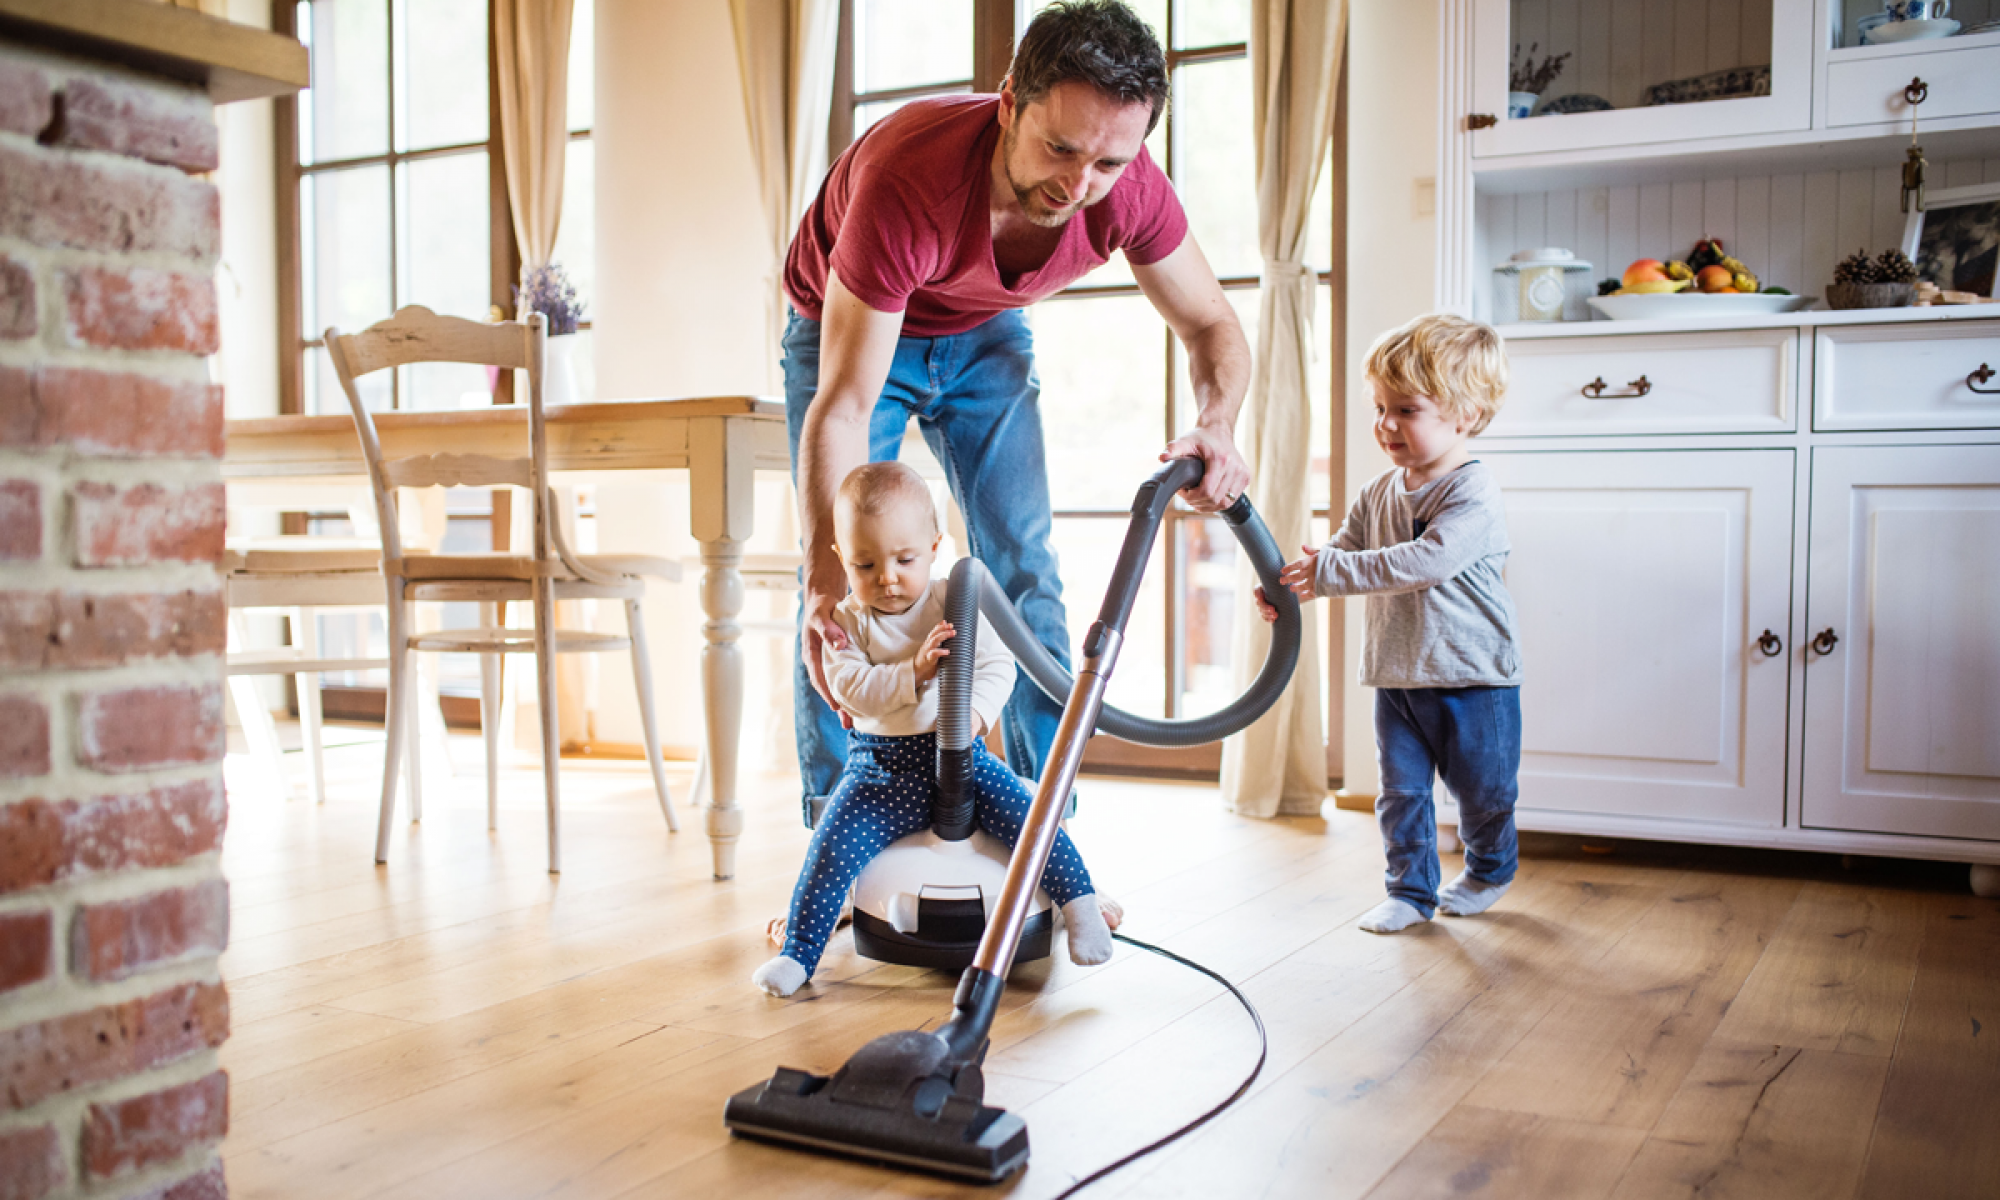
column 774, row 933
column 1114, row 912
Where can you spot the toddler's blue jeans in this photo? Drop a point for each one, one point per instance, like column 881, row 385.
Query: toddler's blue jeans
column 884, row 794
column 1471, row 737
column 977, row 402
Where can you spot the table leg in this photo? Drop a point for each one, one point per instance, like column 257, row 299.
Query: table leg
column 722, row 693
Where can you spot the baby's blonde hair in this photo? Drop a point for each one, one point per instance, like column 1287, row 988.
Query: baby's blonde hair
column 873, row 489
column 1460, row 364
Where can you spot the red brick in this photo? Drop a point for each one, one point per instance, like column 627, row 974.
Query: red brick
column 31, row 1159
column 147, row 523
column 138, row 308
column 121, row 938
column 109, row 414
column 26, row 107
column 57, row 198
column 158, row 1127
column 81, row 630
column 123, row 118
column 207, row 1184
column 25, row 940
column 19, row 317
column 138, row 729
column 24, row 737
column 78, row 1050
column 20, row 414
column 20, row 519
column 49, row 841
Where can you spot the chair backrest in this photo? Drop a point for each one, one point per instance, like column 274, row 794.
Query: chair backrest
column 416, row 334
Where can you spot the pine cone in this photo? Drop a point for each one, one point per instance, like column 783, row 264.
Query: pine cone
column 1855, row 268
column 1895, row 267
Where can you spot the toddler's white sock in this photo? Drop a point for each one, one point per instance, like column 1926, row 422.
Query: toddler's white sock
column 1392, row 916
column 780, row 977
column 1464, row 896
column 1089, row 936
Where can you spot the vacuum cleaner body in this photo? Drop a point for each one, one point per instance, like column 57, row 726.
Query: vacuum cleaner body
column 916, row 1098
column 924, row 902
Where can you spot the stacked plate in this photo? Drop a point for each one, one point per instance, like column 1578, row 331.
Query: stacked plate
column 1906, row 31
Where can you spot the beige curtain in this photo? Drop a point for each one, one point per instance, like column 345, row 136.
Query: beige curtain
column 531, row 38
column 785, row 50
column 1277, row 767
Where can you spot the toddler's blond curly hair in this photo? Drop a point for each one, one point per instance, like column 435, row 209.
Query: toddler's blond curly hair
column 1459, row 364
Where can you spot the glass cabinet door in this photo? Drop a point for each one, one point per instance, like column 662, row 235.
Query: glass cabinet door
column 1579, row 74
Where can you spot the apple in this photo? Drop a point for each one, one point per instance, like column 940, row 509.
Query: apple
column 1715, row 279
column 1645, row 270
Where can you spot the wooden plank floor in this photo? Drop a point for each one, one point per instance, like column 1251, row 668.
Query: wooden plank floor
column 1633, row 1020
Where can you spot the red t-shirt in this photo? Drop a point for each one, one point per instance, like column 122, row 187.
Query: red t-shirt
column 904, row 219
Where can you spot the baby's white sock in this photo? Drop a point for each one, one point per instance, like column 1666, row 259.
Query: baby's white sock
column 1465, row 896
column 1089, row 936
column 780, row 977
column 1392, row 916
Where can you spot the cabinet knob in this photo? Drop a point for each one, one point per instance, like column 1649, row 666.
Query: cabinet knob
column 1771, row 644
column 1595, row 389
column 1917, row 92
column 1481, row 121
column 1825, row 641
column 1983, row 375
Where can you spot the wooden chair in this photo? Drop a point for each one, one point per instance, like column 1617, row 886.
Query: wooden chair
column 549, row 573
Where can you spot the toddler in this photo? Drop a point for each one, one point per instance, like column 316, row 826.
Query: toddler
column 885, row 678
column 1425, row 542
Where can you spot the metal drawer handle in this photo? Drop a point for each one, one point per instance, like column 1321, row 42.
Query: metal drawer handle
column 1595, row 389
column 1771, row 644
column 1982, row 375
column 1826, row 641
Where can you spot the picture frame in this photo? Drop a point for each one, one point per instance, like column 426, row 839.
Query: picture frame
column 1959, row 229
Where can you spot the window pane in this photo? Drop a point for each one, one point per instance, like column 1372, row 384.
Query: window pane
column 1215, row 165
column 583, row 65
column 347, row 222
column 904, row 43
column 323, row 394
column 441, row 77
column 1086, row 550
column 1212, row 23
column 1103, row 374
column 582, row 356
column 1208, row 606
column 576, row 237
column 1319, row 380
column 436, row 386
column 865, row 115
column 1152, row 12
column 445, row 233
column 1319, row 226
column 348, row 110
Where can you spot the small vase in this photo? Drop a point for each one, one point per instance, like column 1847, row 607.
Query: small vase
column 1521, row 104
column 559, row 371
column 1870, row 295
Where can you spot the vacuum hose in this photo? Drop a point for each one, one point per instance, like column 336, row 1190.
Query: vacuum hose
column 972, row 586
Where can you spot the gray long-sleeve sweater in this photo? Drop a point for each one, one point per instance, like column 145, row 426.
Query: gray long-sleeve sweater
column 1429, row 561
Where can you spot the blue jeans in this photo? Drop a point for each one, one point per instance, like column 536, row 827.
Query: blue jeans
column 977, row 402
column 885, row 794
column 1472, row 738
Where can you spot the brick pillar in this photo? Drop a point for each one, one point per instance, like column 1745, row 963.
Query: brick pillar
column 112, row 904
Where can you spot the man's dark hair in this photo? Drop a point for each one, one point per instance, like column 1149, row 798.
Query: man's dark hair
column 1098, row 42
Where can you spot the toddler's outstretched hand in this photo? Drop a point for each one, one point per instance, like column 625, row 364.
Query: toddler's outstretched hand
column 933, row 652
column 1297, row 576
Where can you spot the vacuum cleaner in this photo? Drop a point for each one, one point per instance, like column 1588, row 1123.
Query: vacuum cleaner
column 915, row 1098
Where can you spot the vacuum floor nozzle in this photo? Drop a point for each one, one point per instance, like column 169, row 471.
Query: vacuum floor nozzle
column 898, row 1101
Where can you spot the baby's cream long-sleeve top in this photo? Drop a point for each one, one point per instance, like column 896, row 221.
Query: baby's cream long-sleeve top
column 875, row 678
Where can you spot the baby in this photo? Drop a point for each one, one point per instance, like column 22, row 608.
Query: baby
column 885, row 678
column 1425, row 542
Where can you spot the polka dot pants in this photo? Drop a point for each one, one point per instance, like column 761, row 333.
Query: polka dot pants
column 884, row 793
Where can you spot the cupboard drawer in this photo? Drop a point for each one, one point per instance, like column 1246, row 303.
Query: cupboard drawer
column 1739, row 382
column 1908, row 377
column 1963, row 83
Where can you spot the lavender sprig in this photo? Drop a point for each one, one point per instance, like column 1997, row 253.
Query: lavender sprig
column 548, row 291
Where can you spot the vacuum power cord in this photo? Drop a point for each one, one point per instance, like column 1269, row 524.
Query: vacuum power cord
column 1263, row 1050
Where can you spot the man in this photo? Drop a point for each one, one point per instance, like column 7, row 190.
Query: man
column 907, row 278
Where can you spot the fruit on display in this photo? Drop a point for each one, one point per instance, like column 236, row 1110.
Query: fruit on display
column 1708, row 269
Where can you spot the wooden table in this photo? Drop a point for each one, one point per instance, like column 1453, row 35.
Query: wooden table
column 721, row 442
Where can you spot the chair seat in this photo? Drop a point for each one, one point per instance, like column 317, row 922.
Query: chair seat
column 491, row 640
column 526, row 567
column 287, row 555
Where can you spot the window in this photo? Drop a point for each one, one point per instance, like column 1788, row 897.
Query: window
column 392, row 192
column 1114, row 381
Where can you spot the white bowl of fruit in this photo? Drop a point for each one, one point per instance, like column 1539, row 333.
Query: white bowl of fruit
column 1708, row 283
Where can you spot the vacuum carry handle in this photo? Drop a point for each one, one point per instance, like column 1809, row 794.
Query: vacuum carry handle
column 1149, row 507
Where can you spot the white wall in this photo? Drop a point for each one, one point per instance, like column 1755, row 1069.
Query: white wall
column 1391, row 231
column 681, row 267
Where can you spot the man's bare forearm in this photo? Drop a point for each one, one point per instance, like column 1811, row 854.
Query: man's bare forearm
column 833, row 443
column 1219, row 373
